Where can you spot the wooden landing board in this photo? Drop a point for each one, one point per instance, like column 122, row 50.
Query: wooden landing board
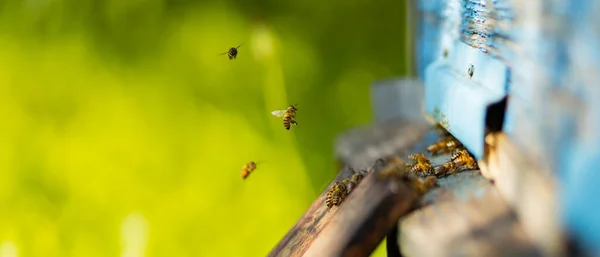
column 527, row 189
column 359, row 147
column 356, row 227
column 466, row 216
column 299, row 238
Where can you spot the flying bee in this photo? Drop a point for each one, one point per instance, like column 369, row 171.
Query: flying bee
column 232, row 53
column 247, row 169
column 462, row 159
column 336, row 194
column 289, row 116
column 446, row 145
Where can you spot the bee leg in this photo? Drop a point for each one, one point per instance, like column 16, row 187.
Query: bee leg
column 294, row 122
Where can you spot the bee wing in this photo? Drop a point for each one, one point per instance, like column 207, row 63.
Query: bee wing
column 278, row 113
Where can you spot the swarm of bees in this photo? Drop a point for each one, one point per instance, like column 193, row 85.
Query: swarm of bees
column 341, row 189
column 460, row 158
column 397, row 169
column 418, row 170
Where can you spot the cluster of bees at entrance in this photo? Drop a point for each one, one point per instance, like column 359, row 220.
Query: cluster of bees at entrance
column 288, row 115
column 417, row 171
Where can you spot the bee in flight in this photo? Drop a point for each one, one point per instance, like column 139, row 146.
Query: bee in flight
column 247, row 169
column 232, row 53
column 289, row 116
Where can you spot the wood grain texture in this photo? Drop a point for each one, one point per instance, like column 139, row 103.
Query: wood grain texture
column 362, row 146
column 365, row 217
column 466, row 216
column 299, row 238
column 356, row 227
column 527, row 189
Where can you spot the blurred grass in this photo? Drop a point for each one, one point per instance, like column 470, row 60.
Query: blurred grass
column 124, row 131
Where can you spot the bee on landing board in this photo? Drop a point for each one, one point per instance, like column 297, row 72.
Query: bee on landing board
column 247, row 169
column 353, row 181
column 341, row 189
column 446, row 145
column 462, row 159
column 289, row 116
column 422, row 165
column 232, row 53
column 336, row 194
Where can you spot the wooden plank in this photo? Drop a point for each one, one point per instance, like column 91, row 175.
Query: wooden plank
column 298, row 239
column 529, row 190
column 365, row 218
column 356, row 227
column 466, row 216
column 361, row 146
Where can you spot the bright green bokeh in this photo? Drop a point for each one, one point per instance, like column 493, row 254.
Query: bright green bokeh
column 124, row 131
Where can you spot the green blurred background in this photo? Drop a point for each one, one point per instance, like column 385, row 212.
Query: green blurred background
column 124, row 131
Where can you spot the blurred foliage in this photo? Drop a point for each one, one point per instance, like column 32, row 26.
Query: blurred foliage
column 124, row 130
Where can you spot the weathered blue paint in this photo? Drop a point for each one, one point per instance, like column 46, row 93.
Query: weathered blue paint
column 544, row 54
column 454, row 98
column 460, row 101
column 579, row 164
column 428, row 31
column 437, row 29
column 538, row 57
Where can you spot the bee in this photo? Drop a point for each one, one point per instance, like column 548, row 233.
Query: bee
column 247, row 169
column 352, row 182
column 446, row 145
column 462, row 159
column 444, row 169
column 422, row 165
column 423, row 185
column 336, row 194
column 232, row 53
column 289, row 116
column 395, row 168
column 419, row 158
column 341, row 189
column 470, row 70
